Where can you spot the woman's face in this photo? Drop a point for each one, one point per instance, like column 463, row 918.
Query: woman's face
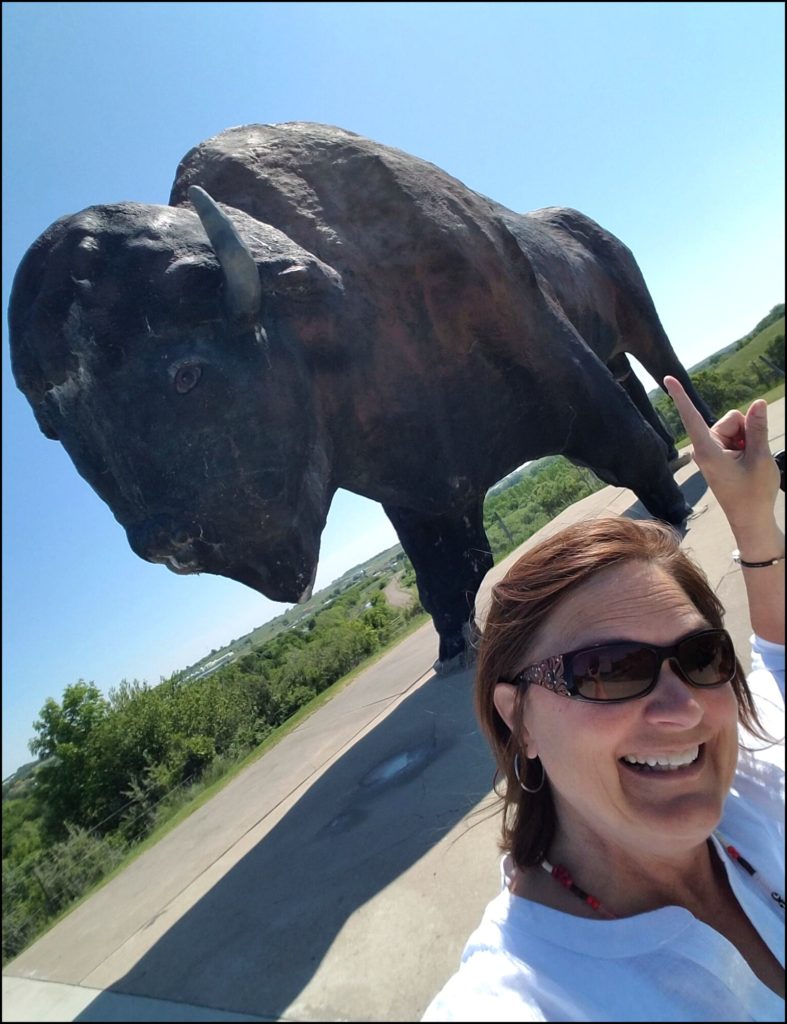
column 584, row 747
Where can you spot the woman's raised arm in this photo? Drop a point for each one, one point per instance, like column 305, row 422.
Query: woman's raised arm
column 735, row 459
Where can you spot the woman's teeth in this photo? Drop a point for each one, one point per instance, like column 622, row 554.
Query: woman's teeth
column 663, row 762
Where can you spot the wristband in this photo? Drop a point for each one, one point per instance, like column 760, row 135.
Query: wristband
column 736, row 557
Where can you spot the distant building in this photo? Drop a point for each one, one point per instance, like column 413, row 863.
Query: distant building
column 210, row 667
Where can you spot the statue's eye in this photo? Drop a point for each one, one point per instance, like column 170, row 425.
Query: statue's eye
column 186, row 376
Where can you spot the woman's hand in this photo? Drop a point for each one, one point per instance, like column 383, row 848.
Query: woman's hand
column 734, row 458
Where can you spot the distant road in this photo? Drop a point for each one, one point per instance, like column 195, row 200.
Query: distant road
column 396, row 596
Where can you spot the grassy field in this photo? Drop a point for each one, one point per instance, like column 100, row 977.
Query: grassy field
column 744, row 356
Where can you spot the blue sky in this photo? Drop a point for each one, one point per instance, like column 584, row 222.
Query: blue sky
column 664, row 122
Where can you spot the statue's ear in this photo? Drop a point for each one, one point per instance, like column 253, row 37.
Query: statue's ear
column 310, row 281
column 306, row 297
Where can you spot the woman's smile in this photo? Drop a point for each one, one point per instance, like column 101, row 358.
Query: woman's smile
column 681, row 765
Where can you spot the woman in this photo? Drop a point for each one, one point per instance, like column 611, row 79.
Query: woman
column 643, row 823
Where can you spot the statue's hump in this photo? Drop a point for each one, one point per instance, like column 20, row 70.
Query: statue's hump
column 329, row 188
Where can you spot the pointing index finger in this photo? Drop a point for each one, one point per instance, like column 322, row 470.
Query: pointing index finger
column 695, row 425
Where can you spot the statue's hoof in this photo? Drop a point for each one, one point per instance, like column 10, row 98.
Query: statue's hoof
column 696, row 512
column 679, row 460
column 676, row 514
column 459, row 662
column 466, row 647
column 686, row 514
column 450, row 665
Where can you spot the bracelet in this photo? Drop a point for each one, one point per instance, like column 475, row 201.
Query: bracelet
column 736, row 557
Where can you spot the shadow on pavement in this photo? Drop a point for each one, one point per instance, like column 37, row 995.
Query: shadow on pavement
column 255, row 940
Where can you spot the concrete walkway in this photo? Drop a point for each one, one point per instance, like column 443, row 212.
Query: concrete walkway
column 338, row 878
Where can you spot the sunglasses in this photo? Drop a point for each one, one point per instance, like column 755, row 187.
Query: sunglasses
column 625, row 669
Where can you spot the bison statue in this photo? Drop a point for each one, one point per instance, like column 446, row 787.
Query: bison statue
column 315, row 311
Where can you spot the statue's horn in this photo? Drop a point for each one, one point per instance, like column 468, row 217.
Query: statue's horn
column 243, row 290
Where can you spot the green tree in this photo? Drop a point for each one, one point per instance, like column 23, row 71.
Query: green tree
column 665, row 407
column 62, row 742
column 21, row 829
column 711, row 386
column 774, row 351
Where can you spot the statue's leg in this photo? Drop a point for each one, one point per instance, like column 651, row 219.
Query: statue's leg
column 608, row 433
column 621, row 370
column 646, row 340
column 451, row 555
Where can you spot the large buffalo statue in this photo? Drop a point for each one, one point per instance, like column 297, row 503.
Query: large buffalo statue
column 312, row 311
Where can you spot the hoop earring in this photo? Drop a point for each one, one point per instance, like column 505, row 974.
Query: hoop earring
column 540, row 786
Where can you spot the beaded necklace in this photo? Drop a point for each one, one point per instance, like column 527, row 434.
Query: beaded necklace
column 561, row 875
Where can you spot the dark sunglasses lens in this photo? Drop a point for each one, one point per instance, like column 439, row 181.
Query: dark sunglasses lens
column 707, row 659
column 616, row 672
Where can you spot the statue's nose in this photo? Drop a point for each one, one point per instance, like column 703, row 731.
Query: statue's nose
column 159, row 536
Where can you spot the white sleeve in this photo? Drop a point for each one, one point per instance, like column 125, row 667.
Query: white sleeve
column 759, row 778
column 768, row 657
column 489, row 986
column 766, row 683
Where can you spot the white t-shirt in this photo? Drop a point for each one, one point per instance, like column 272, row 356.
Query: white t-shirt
column 527, row 962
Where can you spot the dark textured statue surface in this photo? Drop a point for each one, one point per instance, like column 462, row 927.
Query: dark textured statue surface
column 315, row 310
